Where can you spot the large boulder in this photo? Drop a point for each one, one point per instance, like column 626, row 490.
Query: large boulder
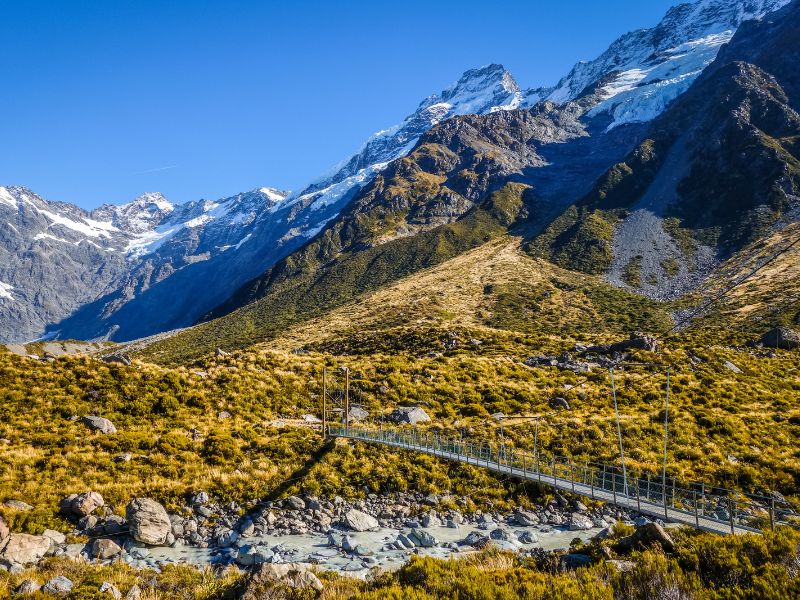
column 781, row 337
column 267, row 575
column 648, row 535
column 148, row 521
column 81, row 504
column 24, row 549
column 360, row 521
column 409, row 415
column 100, row 424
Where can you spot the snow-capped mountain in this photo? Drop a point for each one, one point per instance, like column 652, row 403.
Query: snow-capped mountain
column 192, row 261
column 57, row 257
column 137, row 269
column 478, row 91
column 643, row 71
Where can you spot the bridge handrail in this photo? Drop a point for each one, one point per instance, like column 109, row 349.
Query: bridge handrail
column 739, row 510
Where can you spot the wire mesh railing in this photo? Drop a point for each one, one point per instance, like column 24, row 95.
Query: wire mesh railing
column 695, row 504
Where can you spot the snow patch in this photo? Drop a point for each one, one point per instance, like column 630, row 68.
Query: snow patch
column 5, row 291
column 242, row 241
column 273, row 194
column 7, row 198
column 88, row 227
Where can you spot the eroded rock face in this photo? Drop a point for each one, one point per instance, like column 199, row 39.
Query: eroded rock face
column 148, row 521
column 24, row 549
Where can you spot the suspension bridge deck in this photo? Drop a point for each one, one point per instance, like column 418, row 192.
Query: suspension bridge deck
column 713, row 510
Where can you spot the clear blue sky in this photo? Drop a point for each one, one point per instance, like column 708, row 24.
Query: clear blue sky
column 104, row 100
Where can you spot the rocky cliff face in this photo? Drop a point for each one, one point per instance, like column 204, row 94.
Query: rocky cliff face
column 718, row 170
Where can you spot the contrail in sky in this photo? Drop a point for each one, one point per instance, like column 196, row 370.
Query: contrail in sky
column 156, row 170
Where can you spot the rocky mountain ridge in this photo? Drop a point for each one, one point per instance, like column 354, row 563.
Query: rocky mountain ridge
column 172, row 264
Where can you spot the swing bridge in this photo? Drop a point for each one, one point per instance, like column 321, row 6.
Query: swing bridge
column 707, row 508
column 715, row 510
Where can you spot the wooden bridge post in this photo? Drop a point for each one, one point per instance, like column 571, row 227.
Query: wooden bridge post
column 731, row 510
column 696, row 513
column 591, row 480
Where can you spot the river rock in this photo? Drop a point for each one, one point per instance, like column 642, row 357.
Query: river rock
column 360, row 521
column 526, row 519
column 422, row 538
column 104, row 549
column 296, row 503
column 501, row 534
column 148, row 521
column 4, row 531
column 100, row 424
column 25, row 549
column 254, row 555
column 527, row 537
column 579, row 522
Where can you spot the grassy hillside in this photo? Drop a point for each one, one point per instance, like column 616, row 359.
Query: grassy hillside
column 314, row 290
column 452, row 339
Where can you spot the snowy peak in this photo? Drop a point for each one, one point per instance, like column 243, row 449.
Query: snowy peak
column 643, row 71
column 137, row 216
column 478, row 91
